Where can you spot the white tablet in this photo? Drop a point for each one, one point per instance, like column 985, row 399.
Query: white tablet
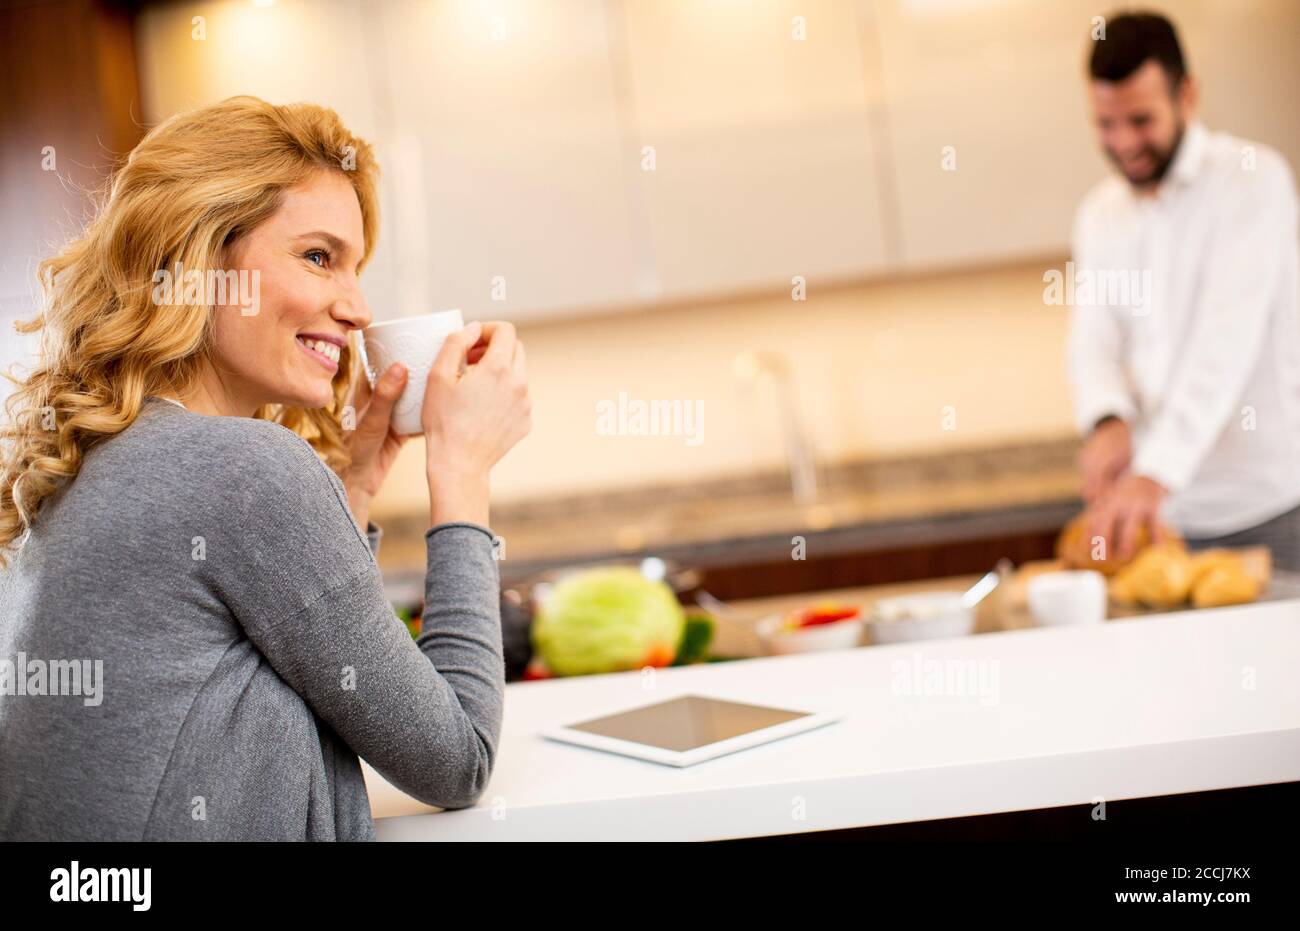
column 689, row 729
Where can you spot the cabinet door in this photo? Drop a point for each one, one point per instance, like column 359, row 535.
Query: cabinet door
column 506, row 123
column 1247, row 57
column 764, row 166
column 193, row 54
column 991, row 138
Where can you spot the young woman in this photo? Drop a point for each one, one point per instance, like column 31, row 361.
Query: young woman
column 182, row 504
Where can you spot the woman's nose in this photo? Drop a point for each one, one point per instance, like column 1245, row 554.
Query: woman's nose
column 351, row 309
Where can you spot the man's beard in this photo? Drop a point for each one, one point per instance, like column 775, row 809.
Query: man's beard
column 1160, row 161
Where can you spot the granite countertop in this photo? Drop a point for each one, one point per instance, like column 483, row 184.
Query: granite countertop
column 863, row 506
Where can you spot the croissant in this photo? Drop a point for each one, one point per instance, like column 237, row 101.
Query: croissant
column 1207, row 560
column 1224, row 583
column 1160, row 576
column 1121, row 591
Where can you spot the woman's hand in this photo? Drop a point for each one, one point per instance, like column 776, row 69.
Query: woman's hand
column 373, row 445
column 476, row 408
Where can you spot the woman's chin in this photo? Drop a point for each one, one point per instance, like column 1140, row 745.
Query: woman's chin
column 309, row 397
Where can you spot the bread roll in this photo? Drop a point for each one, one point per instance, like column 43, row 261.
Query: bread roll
column 1224, row 583
column 1160, row 576
column 1121, row 591
column 1207, row 560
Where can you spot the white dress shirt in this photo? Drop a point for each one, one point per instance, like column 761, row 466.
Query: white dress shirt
column 1204, row 361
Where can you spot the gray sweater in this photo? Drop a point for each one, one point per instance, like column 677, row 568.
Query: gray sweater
column 248, row 654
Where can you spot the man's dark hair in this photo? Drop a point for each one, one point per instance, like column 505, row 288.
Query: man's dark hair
column 1133, row 39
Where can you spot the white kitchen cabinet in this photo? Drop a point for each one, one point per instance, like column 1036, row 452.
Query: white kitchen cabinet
column 989, row 133
column 507, row 120
column 548, row 159
column 1248, row 57
column 764, row 166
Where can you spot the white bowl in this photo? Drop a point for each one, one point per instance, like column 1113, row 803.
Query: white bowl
column 837, row 635
column 920, row 616
column 1060, row 598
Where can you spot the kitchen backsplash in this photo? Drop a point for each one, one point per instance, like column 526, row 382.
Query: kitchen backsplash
column 962, row 360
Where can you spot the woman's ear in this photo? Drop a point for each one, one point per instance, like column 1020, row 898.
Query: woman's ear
column 230, row 253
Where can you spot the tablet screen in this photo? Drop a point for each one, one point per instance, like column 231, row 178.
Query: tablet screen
column 686, row 723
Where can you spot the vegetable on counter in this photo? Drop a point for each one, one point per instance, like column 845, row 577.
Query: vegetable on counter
column 696, row 639
column 411, row 618
column 694, row 648
column 819, row 615
column 607, row 620
column 536, row 670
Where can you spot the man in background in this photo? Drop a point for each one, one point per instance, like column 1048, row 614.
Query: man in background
column 1189, row 395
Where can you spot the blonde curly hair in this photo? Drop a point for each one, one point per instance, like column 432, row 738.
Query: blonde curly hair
column 194, row 185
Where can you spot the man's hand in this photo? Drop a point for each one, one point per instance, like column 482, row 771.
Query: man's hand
column 1132, row 502
column 373, row 446
column 1105, row 457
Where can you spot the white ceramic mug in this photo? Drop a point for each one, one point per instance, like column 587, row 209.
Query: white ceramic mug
column 414, row 342
column 1076, row 597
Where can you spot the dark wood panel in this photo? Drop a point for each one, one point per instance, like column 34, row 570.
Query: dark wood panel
column 878, row 567
column 67, row 80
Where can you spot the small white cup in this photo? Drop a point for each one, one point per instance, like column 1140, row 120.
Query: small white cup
column 414, row 342
column 1075, row 597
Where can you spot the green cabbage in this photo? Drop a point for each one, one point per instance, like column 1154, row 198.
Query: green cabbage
column 606, row 620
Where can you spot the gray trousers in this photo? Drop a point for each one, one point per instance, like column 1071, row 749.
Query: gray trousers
column 1281, row 535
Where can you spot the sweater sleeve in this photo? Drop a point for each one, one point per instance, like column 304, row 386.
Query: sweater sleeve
column 302, row 581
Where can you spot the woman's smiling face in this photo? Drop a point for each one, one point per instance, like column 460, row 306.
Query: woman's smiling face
column 302, row 261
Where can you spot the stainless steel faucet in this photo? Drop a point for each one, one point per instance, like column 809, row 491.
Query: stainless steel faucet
column 752, row 368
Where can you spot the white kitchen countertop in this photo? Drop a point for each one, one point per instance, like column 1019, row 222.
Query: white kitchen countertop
column 1183, row 702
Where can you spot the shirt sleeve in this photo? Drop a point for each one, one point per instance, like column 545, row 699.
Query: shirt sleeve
column 301, row 580
column 1249, row 250
column 1099, row 382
